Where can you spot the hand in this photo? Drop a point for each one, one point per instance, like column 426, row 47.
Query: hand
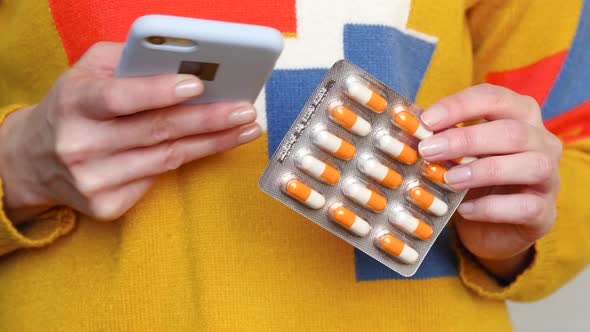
column 515, row 182
column 95, row 142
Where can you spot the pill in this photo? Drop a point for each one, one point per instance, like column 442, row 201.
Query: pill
column 396, row 149
column 433, row 171
column 343, row 216
column 396, row 247
column 373, row 168
column 319, row 169
column 405, row 221
column 359, row 90
column 427, row 201
column 304, row 194
column 366, row 197
column 464, row 160
column 350, row 120
column 407, row 122
column 334, row 145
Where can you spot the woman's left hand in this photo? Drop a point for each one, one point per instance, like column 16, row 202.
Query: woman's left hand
column 515, row 181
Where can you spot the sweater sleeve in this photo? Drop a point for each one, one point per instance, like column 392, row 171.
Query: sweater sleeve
column 39, row 232
column 560, row 255
column 565, row 250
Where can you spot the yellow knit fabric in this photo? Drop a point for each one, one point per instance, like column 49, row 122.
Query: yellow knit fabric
column 36, row 233
column 206, row 250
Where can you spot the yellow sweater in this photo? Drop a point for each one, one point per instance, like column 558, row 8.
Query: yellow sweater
column 206, row 250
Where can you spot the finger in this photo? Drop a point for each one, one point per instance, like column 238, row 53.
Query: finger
column 517, row 209
column 497, row 137
column 139, row 163
column 101, row 58
column 483, row 101
column 157, row 126
column 113, row 203
column 106, row 98
column 518, row 169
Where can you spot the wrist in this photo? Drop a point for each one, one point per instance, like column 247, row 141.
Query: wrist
column 20, row 201
column 507, row 269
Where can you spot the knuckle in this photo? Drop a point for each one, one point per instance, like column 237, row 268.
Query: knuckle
column 543, row 167
column 65, row 97
column 172, row 157
column 162, row 128
column 532, row 104
column 110, row 97
column 87, row 184
column 96, row 47
column 551, row 217
column 516, row 134
column 556, row 145
column 491, row 169
column 531, row 207
column 106, row 209
column 71, row 151
column 487, row 209
column 463, row 138
column 457, row 103
column 533, row 109
column 495, row 95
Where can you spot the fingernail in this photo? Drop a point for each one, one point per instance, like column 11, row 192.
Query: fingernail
column 466, row 208
column 188, row 86
column 433, row 146
column 458, row 175
column 241, row 117
column 434, row 115
column 249, row 134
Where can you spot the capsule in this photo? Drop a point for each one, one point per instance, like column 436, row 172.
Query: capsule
column 409, row 224
column 464, row 160
column 373, row 168
column 349, row 220
column 364, row 196
column 396, row 247
column 396, row 149
column 434, row 171
column 359, row 90
column 318, row 169
column 408, row 123
column 350, row 120
column 334, row 145
column 303, row 193
column 428, row 201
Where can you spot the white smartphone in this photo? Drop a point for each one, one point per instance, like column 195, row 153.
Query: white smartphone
column 233, row 60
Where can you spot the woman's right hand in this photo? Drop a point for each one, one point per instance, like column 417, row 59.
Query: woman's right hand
column 95, row 142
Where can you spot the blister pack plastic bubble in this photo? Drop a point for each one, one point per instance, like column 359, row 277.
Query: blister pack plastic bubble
column 350, row 164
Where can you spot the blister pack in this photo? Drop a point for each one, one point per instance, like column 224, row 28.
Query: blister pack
column 350, row 164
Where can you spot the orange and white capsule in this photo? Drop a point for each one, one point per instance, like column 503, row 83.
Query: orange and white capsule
column 350, row 120
column 428, row 201
column 364, row 196
column 392, row 245
column 396, row 149
column 464, row 160
column 349, row 220
column 435, row 172
column 334, row 145
column 409, row 224
column 407, row 122
column 359, row 90
column 373, row 168
column 303, row 193
column 318, row 169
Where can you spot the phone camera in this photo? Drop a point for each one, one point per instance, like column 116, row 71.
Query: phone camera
column 156, row 40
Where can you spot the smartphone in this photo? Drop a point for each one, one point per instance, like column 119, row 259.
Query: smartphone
column 233, row 60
